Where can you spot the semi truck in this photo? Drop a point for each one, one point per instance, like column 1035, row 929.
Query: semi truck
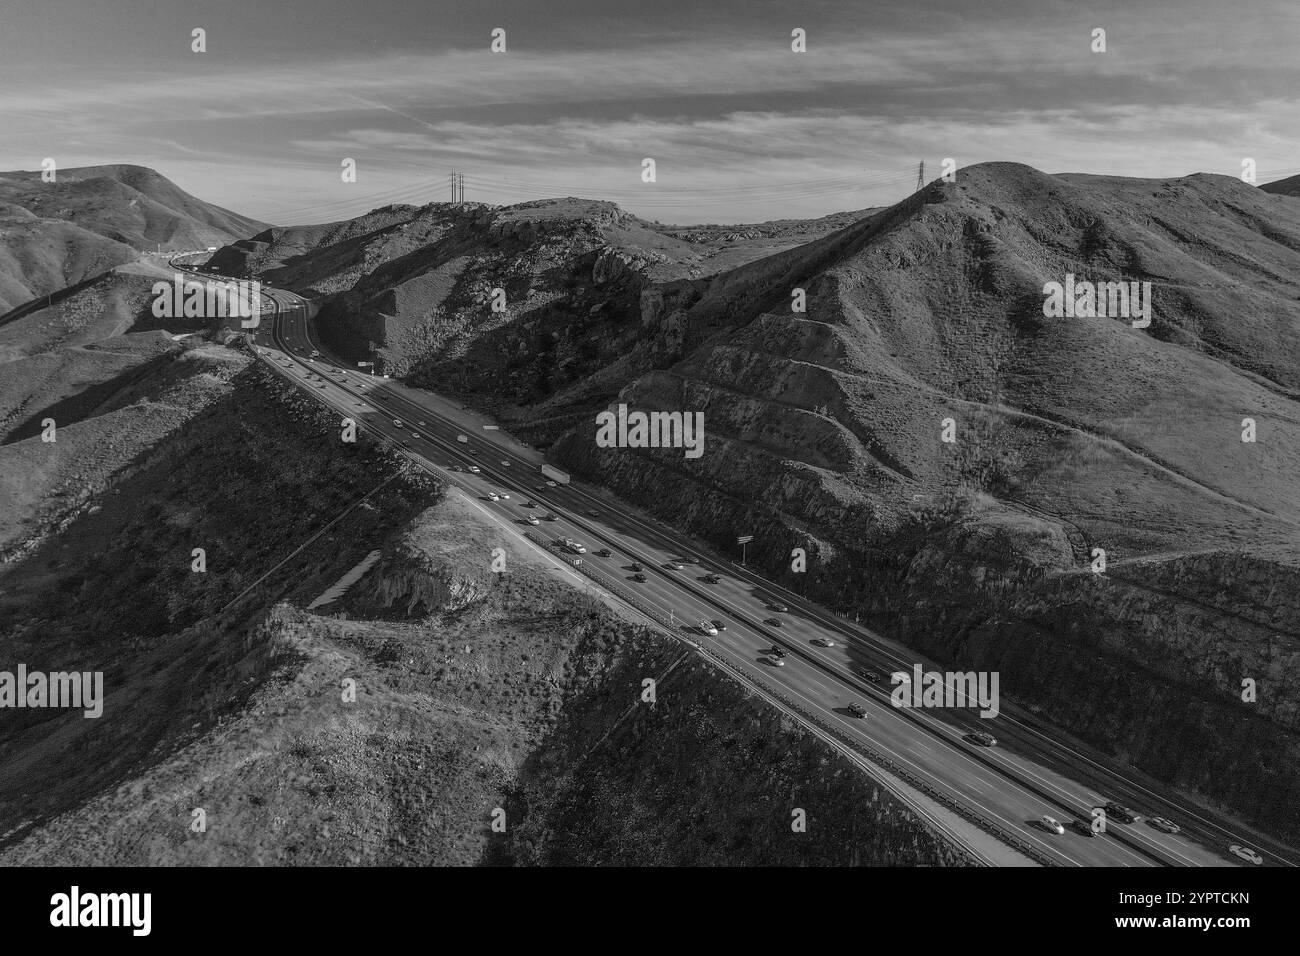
column 553, row 473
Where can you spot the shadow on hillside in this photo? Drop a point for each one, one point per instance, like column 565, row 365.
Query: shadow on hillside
column 115, row 592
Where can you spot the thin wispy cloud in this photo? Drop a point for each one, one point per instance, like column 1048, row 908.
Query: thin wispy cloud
column 877, row 90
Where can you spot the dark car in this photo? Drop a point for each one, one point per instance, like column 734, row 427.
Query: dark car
column 779, row 608
column 1118, row 811
column 712, row 578
column 773, row 622
column 777, row 651
column 605, row 553
column 984, row 738
column 866, row 673
column 857, row 710
column 593, row 512
column 720, row 625
column 639, row 577
column 1083, row 828
column 636, row 567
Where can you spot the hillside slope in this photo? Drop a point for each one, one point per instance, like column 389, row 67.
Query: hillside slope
column 824, row 431
column 93, row 218
column 474, row 692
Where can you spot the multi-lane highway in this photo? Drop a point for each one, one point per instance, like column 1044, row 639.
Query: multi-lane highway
column 1011, row 786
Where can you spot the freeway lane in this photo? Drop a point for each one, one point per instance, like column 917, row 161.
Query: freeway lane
column 1007, row 787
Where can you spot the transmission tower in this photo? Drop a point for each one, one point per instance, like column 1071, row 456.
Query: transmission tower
column 920, row 176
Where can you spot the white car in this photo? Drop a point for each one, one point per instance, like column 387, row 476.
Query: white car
column 1246, row 853
column 707, row 628
column 314, row 353
column 494, row 496
column 823, row 642
column 397, row 423
column 550, row 484
column 531, row 519
column 473, row 469
column 505, row 463
column 1052, row 824
column 415, row 434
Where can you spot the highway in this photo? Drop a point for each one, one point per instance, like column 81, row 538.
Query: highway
column 1009, row 787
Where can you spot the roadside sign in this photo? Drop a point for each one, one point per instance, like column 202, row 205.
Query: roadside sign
column 745, row 539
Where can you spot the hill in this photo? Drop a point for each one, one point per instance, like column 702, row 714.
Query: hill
column 1283, row 187
column 54, row 235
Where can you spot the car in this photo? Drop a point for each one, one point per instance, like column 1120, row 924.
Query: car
column 549, row 517
column 1246, row 853
column 779, row 608
column 712, row 578
column 776, row 650
column 1051, row 824
column 494, row 496
column 421, row 423
column 635, row 567
column 539, row 487
column 314, row 353
column 531, row 519
column 593, row 513
column 551, row 484
column 504, row 496
column 1120, row 812
column 473, row 469
column 453, row 467
column 397, row 423
column 857, row 710
column 474, row 452
column 692, row 560
column 415, row 434
column 1083, row 828
column 776, row 662
column 505, row 463
column 720, row 625
column 866, row 673
column 604, row 553
column 639, row 577
column 1163, row 825
column 676, row 566
column 823, row 642
column 707, row 628
column 984, row 738
column 406, row 442
column 773, row 622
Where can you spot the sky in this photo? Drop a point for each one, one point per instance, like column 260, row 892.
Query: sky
column 741, row 127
